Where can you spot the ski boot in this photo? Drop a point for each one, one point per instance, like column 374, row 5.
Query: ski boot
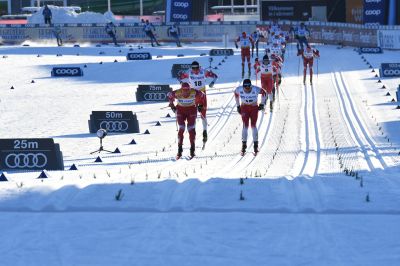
column 244, row 147
column 192, row 154
column 179, row 154
column 205, row 137
column 255, row 148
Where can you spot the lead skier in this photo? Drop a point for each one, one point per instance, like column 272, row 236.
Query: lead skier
column 247, row 106
column 189, row 101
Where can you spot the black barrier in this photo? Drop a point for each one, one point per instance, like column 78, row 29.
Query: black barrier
column 66, row 72
column 152, row 93
column 114, row 122
column 176, row 68
column 390, row 70
column 138, row 56
column 370, row 50
column 221, row 52
column 30, row 154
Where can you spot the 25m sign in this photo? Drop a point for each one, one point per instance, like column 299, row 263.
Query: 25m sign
column 30, row 154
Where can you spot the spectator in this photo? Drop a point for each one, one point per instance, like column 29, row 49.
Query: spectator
column 148, row 29
column 111, row 30
column 47, row 15
column 174, row 31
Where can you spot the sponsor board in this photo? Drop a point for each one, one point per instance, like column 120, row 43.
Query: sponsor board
column 66, row 72
column 177, row 68
column 390, row 70
column 389, row 39
column 371, row 50
column 179, row 10
column 152, row 93
column 138, row 56
column 119, row 122
column 30, row 154
column 374, row 12
column 221, row 52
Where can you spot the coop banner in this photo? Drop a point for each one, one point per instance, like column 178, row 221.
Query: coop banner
column 374, row 12
column 179, row 10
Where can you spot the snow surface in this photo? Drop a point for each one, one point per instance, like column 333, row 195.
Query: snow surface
column 299, row 206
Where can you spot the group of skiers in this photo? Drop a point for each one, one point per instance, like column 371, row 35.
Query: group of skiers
column 191, row 98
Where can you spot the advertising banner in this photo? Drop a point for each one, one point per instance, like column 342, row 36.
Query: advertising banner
column 179, row 10
column 390, row 70
column 374, row 12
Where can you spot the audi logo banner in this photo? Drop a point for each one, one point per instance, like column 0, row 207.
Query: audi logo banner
column 66, row 72
column 138, row 56
column 152, row 93
column 390, row 70
column 177, row 68
column 371, row 50
column 30, row 154
column 221, row 52
column 374, row 12
column 118, row 122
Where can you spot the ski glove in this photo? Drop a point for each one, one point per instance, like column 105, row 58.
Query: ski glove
column 261, row 107
column 211, row 84
column 237, row 47
column 239, row 110
column 199, row 108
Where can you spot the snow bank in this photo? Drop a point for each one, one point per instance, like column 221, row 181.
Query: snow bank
column 60, row 15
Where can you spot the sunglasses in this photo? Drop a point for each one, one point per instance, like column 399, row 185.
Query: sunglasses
column 195, row 67
column 246, row 85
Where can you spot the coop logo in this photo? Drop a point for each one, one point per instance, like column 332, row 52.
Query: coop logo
column 181, row 4
column 371, row 50
column 66, row 71
column 390, row 70
column 23, row 160
column 375, row 12
column 180, row 16
column 138, row 56
column 373, row 1
column 114, row 126
column 154, row 96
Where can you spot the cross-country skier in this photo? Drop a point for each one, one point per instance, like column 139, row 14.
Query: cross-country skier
column 256, row 38
column 301, row 34
column 189, row 101
column 247, row 105
column 308, row 59
column 111, row 31
column 57, row 33
column 267, row 72
column 174, row 32
column 245, row 43
column 196, row 77
column 148, row 28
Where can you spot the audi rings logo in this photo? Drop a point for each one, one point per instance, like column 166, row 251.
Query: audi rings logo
column 217, row 52
column 180, row 16
column 154, row 96
column 375, row 12
column 391, row 72
column 114, row 126
column 26, row 160
column 181, row 4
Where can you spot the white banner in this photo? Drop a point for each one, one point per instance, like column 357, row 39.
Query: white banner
column 389, row 39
